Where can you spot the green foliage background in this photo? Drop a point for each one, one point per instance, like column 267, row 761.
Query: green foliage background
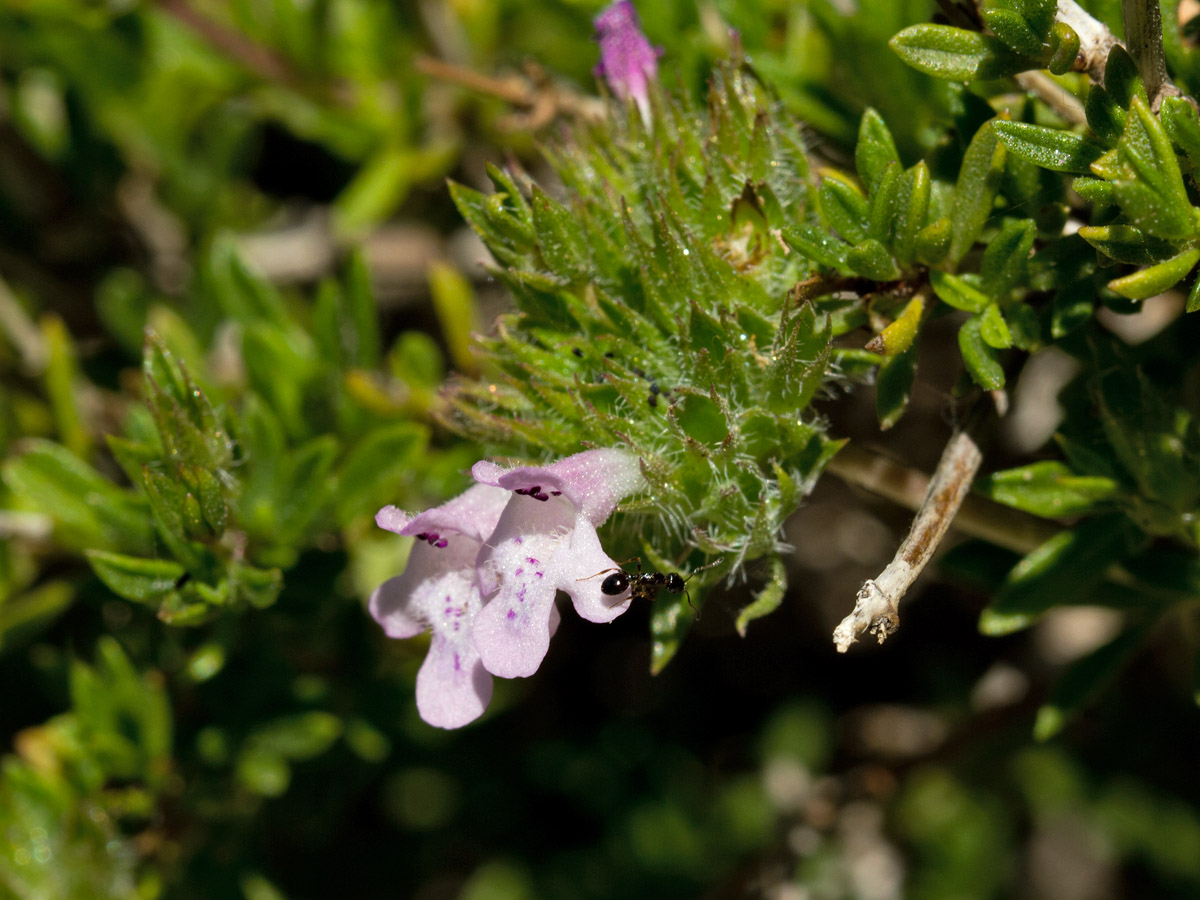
column 197, row 705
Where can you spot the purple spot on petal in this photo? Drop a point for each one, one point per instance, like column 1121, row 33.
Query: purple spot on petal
column 441, row 543
column 518, row 540
column 519, row 571
column 531, row 560
column 457, row 663
column 512, row 614
column 539, row 574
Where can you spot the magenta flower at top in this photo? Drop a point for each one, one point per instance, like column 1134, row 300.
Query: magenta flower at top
column 439, row 592
column 546, row 542
column 628, row 62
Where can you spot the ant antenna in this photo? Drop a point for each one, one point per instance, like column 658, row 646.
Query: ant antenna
column 687, row 594
column 598, row 574
column 616, row 568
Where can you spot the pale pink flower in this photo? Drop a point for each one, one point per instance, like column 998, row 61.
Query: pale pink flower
column 544, row 542
column 439, row 592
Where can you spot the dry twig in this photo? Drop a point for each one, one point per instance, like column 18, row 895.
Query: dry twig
column 877, row 607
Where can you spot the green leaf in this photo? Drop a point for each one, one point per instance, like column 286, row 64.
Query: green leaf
column 1072, row 307
column 893, row 387
column 872, row 260
column 360, row 315
column 975, row 192
column 957, row 55
column 1193, row 298
column 1154, row 280
column 139, row 580
column 874, row 150
column 374, row 463
column 299, row 737
column 1064, row 48
column 1050, row 148
column 1126, row 244
column 88, row 510
column 978, row 357
column 883, row 206
column 1182, row 124
column 1048, row 489
column 912, row 210
column 60, row 377
column 1013, row 30
column 958, row 291
column 993, row 329
column 1007, row 256
column 454, row 302
column 1039, row 14
column 767, row 600
column 1104, row 115
column 845, row 208
column 1095, row 191
column 1066, row 569
column 816, row 245
column 1121, row 78
column 1157, row 201
column 933, row 242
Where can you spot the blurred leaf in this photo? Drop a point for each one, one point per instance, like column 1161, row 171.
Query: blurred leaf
column 959, row 291
column 893, row 387
column 1152, row 281
column 60, row 379
column 1048, row 489
column 379, row 459
column 993, row 329
column 978, row 357
column 1066, row 569
column 88, row 510
column 140, row 580
column 454, row 303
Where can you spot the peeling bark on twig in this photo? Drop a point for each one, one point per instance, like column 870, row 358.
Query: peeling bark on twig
column 876, row 609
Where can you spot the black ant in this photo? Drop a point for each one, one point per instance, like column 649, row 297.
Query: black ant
column 646, row 585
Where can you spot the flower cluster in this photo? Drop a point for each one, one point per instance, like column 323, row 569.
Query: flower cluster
column 485, row 569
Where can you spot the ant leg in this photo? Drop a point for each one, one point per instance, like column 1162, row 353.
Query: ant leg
column 688, row 597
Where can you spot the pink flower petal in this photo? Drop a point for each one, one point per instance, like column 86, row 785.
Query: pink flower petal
column 512, row 632
column 595, row 481
column 581, row 566
column 452, row 687
column 473, row 513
